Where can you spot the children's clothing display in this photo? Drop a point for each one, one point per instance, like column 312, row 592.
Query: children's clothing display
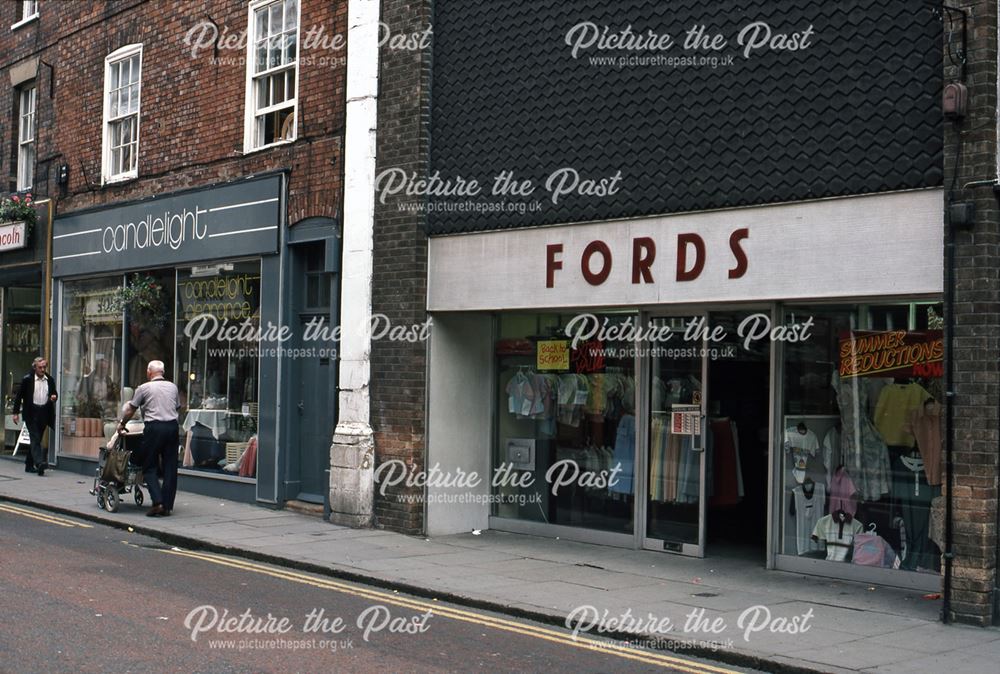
column 837, row 531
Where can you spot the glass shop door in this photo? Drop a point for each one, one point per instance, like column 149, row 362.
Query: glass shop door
column 674, row 446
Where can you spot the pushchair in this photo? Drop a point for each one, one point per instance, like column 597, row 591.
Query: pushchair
column 119, row 471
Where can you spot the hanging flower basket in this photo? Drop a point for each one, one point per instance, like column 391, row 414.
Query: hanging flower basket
column 17, row 208
column 144, row 299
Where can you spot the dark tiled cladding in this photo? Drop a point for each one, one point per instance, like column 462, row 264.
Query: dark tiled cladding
column 857, row 112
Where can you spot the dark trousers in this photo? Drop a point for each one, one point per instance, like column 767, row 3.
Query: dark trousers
column 159, row 448
column 37, row 455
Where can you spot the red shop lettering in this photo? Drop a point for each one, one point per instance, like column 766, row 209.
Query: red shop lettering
column 597, row 260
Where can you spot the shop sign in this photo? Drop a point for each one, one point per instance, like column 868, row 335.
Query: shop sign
column 553, row 355
column 233, row 220
column 894, row 353
column 588, row 357
column 13, row 236
column 810, row 249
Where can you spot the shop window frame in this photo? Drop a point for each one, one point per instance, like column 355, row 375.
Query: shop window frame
column 776, row 557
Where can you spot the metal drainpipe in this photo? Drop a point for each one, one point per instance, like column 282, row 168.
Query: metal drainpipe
column 949, row 415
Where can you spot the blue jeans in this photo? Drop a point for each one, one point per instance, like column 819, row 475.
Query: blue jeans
column 159, row 448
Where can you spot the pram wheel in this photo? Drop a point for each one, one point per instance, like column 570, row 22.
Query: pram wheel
column 138, row 496
column 112, row 500
column 100, row 497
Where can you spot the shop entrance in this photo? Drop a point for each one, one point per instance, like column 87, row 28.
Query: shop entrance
column 707, row 439
column 313, row 369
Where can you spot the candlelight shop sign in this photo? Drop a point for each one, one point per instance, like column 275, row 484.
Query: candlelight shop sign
column 222, row 221
column 13, row 236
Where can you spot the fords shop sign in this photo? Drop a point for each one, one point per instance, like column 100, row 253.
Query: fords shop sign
column 221, row 222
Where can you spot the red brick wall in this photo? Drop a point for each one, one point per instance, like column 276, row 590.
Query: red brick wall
column 191, row 119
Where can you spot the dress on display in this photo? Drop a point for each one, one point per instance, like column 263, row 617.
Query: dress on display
column 863, row 451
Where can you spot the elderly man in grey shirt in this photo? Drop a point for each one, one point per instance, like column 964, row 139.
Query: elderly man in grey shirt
column 160, row 402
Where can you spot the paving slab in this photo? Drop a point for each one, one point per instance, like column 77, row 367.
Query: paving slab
column 855, row 628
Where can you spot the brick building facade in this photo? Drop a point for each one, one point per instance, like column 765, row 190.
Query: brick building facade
column 424, row 129
column 247, row 137
column 971, row 168
column 399, row 369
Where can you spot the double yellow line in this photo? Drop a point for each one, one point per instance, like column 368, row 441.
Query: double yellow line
column 43, row 517
column 524, row 629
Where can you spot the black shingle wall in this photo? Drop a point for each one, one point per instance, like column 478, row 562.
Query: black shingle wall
column 858, row 111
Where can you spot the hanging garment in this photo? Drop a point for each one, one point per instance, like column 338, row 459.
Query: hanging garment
column 725, row 462
column 925, row 424
column 801, row 444
column 913, row 496
column 863, row 451
column 624, row 455
column 689, row 471
column 838, row 534
column 843, row 493
column 809, row 507
column 892, row 413
column 831, row 452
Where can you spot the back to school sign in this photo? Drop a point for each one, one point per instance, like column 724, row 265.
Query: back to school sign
column 897, row 353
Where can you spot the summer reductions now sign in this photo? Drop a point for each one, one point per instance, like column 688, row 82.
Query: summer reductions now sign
column 219, row 222
column 892, row 353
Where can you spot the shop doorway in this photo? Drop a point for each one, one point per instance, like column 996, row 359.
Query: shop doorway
column 313, row 368
column 738, row 414
column 707, row 439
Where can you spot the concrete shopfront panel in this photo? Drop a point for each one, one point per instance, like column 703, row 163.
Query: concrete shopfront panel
column 880, row 245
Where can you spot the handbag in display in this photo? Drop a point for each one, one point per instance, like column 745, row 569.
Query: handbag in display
column 870, row 549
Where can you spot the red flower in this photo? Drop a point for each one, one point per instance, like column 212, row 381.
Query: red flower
column 15, row 198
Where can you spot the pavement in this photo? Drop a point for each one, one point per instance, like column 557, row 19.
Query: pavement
column 796, row 622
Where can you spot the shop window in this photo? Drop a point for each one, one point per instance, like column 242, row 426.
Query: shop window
column 22, row 341
column 26, row 99
column 272, row 73
column 217, row 374
column 566, row 425
column 122, row 84
column 860, row 436
column 90, row 372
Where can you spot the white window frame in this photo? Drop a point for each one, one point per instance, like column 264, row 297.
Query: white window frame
column 26, row 133
column 115, row 57
column 250, row 105
column 29, row 12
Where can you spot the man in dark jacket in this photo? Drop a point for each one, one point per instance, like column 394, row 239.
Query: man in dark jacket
column 37, row 396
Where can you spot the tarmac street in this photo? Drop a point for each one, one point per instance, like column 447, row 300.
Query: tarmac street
column 82, row 597
column 754, row 618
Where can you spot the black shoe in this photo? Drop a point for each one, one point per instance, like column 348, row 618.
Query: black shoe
column 29, row 469
column 41, row 471
column 157, row 511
